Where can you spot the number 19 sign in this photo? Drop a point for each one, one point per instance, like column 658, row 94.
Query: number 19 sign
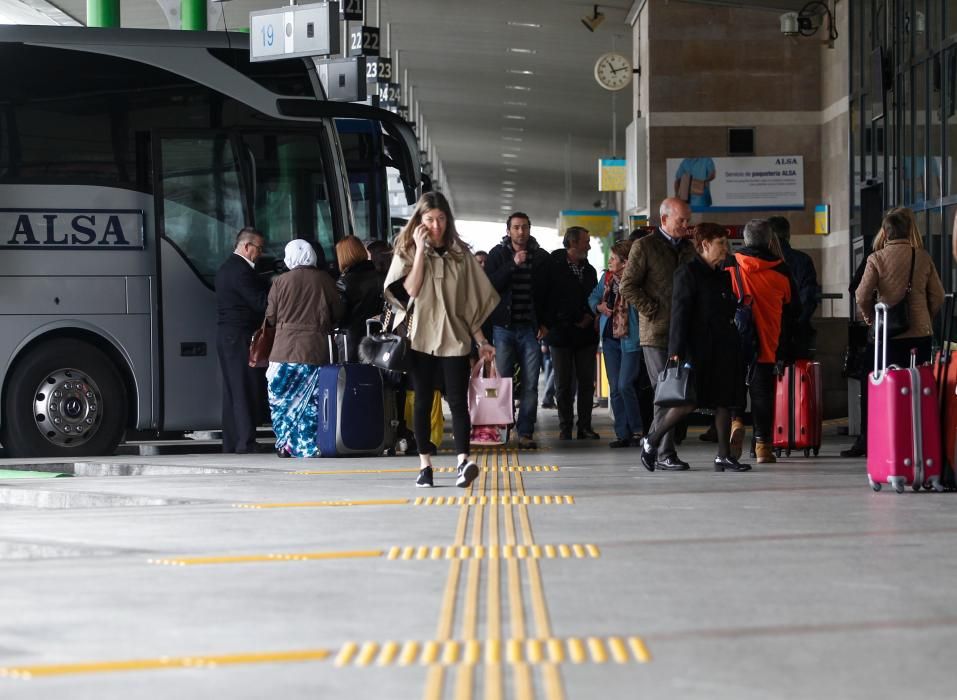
column 298, row 30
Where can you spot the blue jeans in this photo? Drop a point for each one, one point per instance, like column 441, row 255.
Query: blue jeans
column 622, row 369
column 520, row 346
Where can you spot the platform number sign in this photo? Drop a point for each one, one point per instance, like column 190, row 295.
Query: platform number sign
column 268, row 34
column 390, row 94
column 363, row 41
column 379, row 70
column 352, row 9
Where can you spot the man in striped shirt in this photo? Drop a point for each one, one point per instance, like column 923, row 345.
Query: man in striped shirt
column 520, row 271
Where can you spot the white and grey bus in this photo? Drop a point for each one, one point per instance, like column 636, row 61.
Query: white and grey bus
column 129, row 159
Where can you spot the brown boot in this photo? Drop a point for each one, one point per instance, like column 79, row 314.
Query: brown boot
column 765, row 453
column 737, row 438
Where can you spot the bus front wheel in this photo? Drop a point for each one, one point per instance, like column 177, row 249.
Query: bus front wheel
column 64, row 399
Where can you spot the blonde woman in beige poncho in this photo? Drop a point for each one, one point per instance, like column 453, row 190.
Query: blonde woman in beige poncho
column 433, row 267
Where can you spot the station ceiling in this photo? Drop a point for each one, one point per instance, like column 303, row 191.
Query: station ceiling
column 505, row 88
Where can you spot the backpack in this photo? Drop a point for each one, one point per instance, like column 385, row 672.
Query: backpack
column 744, row 322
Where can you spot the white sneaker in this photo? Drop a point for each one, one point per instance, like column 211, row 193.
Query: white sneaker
column 468, row 470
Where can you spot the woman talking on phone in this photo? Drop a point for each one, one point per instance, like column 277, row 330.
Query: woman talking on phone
column 435, row 278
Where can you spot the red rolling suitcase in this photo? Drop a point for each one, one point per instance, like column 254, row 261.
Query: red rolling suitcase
column 798, row 412
column 947, row 392
column 903, row 420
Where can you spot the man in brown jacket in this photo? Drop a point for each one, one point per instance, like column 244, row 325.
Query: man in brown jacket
column 646, row 283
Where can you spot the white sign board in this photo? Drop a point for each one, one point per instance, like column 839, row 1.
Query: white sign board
column 738, row 184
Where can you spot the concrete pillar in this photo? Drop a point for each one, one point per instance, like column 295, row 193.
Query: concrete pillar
column 103, row 13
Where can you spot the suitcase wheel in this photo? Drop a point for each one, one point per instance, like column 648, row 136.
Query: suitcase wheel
column 874, row 485
column 777, row 451
column 915, row 486
column 807, row 451
column 899, row 487
column 787, row 452
column 938, row 486
column 817, row 450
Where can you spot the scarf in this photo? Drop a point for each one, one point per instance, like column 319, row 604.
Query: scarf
column 619, row 308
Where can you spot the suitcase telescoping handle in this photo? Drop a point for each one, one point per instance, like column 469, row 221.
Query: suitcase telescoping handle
column 345, row 348
column 880, row 340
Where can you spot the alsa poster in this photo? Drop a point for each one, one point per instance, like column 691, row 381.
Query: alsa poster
column 738, row 184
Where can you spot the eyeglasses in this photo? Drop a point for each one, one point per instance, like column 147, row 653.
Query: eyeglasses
column 257, row 247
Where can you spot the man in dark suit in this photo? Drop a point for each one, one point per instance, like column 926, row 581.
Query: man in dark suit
column 241, row 305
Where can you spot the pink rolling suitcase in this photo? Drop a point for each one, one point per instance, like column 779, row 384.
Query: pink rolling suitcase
column 903, row 420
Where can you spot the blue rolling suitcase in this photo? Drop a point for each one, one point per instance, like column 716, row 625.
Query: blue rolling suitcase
column 351, row 410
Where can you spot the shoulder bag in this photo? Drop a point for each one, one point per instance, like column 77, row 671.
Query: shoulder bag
column 389, row 349
column 261, row 345
column 898, row 315
column 676, row 386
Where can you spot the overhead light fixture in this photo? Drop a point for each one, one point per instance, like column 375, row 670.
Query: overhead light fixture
column 518, row 117
column 518, row 87
column 511, row 103
column 517, row 129
column 508, row 189
column 519, row 71
column 511, row 170
column 527, row 25
column 591, row 23
column 520, row 50
column 516, row 139
column 508, row 182
column 509, row 155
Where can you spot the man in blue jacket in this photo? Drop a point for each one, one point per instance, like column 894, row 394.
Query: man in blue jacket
column 520, row 271
column 805, row 278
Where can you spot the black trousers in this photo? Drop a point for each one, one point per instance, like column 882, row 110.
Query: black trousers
column 429, row 372
column 762, row 401
column 574, row 364
column 244, row 389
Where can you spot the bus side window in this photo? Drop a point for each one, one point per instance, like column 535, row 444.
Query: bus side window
column 202, row 200
column 291, row 193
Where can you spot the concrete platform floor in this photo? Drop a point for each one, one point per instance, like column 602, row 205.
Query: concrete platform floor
column 568, row 572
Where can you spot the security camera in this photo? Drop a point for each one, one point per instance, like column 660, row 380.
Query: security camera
column 789, row 24
column 591, row 22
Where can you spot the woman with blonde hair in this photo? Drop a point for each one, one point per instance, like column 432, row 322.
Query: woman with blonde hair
column 899, row 269
column 898, row 263
column 435, row 279
column 304, row 307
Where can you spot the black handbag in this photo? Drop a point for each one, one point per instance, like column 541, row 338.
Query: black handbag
column 389, row 349
column 676, row 386
column 898, row 315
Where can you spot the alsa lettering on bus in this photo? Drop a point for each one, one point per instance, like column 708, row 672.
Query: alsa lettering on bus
column 110, row 229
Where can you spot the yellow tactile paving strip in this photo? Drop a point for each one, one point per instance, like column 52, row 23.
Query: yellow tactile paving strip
column 493, row 528
column 471, row 652
column 419, row 553
column 410, row 470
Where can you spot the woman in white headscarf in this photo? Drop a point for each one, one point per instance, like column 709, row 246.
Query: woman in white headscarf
column 304, row 306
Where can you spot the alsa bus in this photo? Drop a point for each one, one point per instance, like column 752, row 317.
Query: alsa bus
column 129, row 159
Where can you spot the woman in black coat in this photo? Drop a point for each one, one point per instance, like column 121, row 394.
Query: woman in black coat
column 360, row 287
column 703, row 336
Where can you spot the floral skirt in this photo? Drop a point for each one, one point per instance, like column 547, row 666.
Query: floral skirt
column 294, row 405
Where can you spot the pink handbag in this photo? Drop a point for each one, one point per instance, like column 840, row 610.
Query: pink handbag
column 490, row 398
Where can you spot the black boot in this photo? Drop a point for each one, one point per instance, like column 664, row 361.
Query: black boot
column 858, row 449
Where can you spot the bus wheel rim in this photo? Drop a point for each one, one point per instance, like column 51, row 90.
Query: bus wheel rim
column 68, row 408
